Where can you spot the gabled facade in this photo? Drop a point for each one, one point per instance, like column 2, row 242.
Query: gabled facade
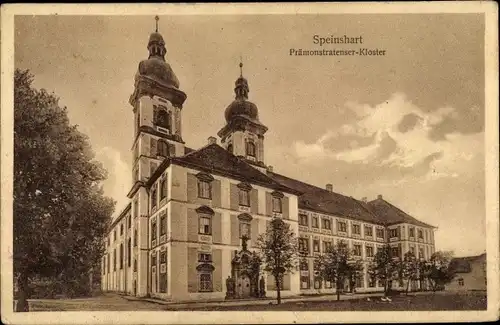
column 189, row 209
column 470, row 274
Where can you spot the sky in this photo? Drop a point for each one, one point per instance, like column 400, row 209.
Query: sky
column 408, row 125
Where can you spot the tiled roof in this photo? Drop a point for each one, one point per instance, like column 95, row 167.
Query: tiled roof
column 322, row 200
column 215, row 159
column 393, row 215
column 188, row 150
column 463, row 264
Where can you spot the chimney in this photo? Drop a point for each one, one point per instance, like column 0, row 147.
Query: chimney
column 364, row 199
column 329, row 187
column 212, row 140
column 270, row 169
column 379, row 196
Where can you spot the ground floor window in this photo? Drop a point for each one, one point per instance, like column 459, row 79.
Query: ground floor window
column 304, row 282
column 359, row 282
column 163, row 282
column 205, row 282
column 317, row 283
column 461, row 282
column 328, row 284
column 372, row 282
column 163, row 272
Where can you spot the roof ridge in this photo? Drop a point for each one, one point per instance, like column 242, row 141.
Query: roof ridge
column 362, row 206
column 395, row 207
column 311, row 185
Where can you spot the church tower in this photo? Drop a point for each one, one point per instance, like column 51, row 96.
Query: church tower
column 243, row 134
column 157, row 105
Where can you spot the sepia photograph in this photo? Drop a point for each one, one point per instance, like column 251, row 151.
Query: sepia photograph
column 249, row 159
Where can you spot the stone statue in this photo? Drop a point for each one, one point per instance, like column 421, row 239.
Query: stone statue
column 262, row 287
column 244, row 240
column 229, row 287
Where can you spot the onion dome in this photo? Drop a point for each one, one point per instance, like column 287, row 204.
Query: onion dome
column 155, row 67
column 241, row 106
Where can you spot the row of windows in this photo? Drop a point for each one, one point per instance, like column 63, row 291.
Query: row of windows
column 205, row 226
column 319, row 283
column 163, row 192
column 163, row 226
column 128, row 222
column 327, row 245
column 205, row 192
column 107, row 258
column 341, row 226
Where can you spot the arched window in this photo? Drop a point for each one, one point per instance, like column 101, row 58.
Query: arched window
column 163, row 119
column 250, row 149
column 162, row 148
column 230, row 148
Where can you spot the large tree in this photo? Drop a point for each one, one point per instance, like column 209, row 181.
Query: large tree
column 60, row 214
column 384, row 267
column 335, row 265
column 409, row 268
column 437, row 270
column 279, row 251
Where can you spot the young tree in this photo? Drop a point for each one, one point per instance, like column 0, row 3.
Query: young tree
column 334, row 265
column 354, row 271
column 279, row 251
column 409, row 269
column 60, row 215
column 437, row 270
column 384, row 267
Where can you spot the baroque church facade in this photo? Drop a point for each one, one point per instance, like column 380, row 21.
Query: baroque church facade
column 190, row 229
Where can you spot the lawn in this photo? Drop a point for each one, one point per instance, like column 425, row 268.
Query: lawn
column 474, row 301
column 422, row 302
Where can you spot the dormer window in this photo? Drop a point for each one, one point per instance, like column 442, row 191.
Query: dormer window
column 250, row 148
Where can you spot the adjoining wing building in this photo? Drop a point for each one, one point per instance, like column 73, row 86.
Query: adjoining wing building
column 180, row 237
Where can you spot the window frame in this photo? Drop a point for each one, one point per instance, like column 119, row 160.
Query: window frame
column 242, row 195
column 303, row 217
column 251, row 149
column 202, row 190
column 201, row 288
column 325, row 222
column 277, row 204
column 164, row 188
column 357, row 248
column 358, row 227
column 369, row 248
column 154, row 230
column 304, row 243
column 368, row 231
column 163, row 223
column 316, row 243
column 342, row 226
column 315, row 222
column 204, row 216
